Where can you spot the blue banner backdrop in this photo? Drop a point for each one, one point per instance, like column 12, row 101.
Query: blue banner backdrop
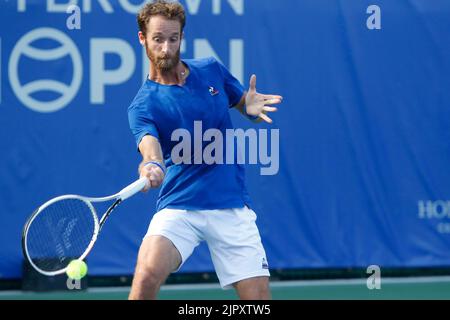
column 364, row 126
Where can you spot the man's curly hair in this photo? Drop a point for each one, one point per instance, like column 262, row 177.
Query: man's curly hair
column 167, row 9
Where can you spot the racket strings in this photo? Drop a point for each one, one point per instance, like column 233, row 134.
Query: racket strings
column 60, row 233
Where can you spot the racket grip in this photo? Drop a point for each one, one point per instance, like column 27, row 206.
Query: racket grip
column 133, row 188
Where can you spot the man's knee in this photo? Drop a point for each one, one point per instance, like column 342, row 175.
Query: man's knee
column 261, row 291
column 264, row 292
column 150, row 273
column 253, row 288
column 155, row 262
column 159, row 252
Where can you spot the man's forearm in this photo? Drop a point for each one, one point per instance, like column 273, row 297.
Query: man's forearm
column 150, row 150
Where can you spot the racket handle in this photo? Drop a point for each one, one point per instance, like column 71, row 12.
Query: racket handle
column 133, row 188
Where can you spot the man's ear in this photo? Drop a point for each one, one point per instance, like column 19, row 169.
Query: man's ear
column 141, row 38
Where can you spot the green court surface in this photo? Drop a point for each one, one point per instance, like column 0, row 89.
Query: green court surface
column 417, row 288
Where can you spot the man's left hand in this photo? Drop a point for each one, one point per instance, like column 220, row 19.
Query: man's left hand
column 258, row 104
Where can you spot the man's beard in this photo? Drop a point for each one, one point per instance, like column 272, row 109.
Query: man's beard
column 165, row 62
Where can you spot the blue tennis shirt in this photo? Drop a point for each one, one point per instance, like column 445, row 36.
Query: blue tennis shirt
column 158, row 110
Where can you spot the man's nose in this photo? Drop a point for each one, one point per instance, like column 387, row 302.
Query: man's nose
column 165, row 47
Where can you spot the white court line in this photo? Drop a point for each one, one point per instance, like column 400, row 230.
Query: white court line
column 359, row 281
column 295, row 283
column 274, row 284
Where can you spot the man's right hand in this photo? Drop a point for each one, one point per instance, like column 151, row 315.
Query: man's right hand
column 154, row 174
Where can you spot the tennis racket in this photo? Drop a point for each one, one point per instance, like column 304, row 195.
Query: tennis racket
column 66, row 228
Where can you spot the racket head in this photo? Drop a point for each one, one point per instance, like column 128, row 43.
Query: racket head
column 61, row 230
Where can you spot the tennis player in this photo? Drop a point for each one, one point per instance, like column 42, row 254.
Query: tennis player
column 197, row 201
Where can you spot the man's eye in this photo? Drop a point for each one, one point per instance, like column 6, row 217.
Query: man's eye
column 156, row 39
column 174, row 39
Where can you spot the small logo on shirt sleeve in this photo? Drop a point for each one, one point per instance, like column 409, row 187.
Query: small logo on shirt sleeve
column 213, row 91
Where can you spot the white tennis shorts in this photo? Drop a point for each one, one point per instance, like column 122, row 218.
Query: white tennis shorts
column 231, row 234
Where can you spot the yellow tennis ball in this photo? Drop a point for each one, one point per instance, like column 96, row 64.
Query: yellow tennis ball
column 76, row 269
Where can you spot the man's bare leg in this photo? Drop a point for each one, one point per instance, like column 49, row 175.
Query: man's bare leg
column 157, row 258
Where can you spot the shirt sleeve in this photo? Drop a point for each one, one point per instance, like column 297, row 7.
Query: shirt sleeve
column 233, row 88
column 141, row 123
